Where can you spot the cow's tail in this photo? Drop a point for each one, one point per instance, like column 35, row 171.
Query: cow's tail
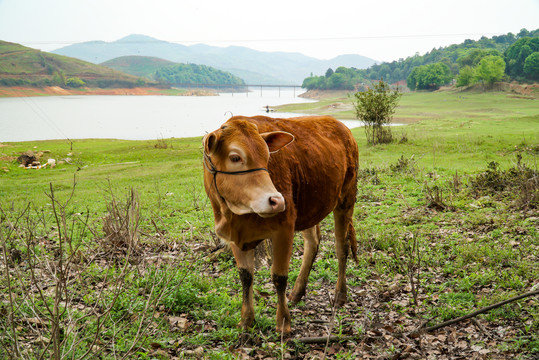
column 352, row 241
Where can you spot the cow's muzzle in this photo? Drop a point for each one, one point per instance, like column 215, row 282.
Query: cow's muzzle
column 274, row 204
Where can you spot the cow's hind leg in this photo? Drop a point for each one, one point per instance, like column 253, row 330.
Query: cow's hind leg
column 343, row 222
column 245, row 263
column 311, row 240
column 282, row 251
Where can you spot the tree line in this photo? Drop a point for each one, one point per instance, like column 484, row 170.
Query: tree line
column 195, row 74
column 486, row 60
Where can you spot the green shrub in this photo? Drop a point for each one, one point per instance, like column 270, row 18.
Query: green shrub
column 74, row 82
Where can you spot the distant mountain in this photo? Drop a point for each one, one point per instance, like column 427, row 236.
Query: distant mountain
column 21, row 65
column 251, row 65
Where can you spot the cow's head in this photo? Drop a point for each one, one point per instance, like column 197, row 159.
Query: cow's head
column 236, row 159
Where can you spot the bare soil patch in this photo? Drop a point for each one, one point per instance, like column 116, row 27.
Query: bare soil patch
column 19, row 91
column 325, row 94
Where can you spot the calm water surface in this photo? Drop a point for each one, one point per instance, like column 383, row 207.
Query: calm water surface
column 132, row 117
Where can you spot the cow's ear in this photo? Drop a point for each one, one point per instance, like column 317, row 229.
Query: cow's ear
column 276, row 140
column 209, row 141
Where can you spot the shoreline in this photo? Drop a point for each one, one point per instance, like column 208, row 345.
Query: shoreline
column 25, row 91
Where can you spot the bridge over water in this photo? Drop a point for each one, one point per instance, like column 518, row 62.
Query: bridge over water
column 239, row 88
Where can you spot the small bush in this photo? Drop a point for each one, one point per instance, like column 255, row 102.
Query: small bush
column 74, row 82
column 369, row 175
column 161, row 143
column 375, row 107
column 404, row 165
column 121, row 223
column 519, row 180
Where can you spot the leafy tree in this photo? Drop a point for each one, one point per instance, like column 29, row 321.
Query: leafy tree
column 531, row 66
column 140, row 82
column 195, row 74
column 75, row 82
column 342, row 78
column 516, row 55
column 490, row 69
column 413, row 79
column 437, row 74
column 508, row 38
column 58, row 78
column 397, row 75
column 311, row 83
column 523, row 33
column 385, row 72
column 473, row 57
column 465, row 76
column 337, row 81
column 329, row 72
column 430, row 76
column 375, row 107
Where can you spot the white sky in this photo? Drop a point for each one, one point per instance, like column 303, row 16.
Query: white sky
column 384, row 30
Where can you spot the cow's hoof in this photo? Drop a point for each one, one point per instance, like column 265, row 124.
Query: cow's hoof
column 285, row 331
column 340, row 299
column 246, row 324
column 295, row 298
column 245, row 339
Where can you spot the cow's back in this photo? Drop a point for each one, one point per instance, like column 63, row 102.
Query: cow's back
column 318, row 171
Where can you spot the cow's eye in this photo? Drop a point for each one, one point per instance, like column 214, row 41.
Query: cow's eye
column 234, row 158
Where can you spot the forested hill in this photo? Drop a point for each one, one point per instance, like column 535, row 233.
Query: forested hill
column 181, row 74
column 446, row 62
column 450, row 55
column 137, row 65
column 24, row 66
column 168, row 72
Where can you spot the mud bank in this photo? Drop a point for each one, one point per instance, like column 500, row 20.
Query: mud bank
column 19, row 91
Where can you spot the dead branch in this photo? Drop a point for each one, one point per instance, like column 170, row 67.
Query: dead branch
column 326, row 339
column 474, row 314
column 335, row 338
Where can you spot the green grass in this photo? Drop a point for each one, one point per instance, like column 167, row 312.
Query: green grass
column 478, row 247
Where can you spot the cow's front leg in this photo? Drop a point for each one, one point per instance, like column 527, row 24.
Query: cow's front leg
column 282, row 251
column 245, row 263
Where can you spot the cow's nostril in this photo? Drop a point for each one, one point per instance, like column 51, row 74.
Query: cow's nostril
column 276, row 203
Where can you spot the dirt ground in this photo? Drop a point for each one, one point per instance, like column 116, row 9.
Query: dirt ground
column 19, row 91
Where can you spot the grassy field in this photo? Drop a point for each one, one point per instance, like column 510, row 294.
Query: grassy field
column 447, row 221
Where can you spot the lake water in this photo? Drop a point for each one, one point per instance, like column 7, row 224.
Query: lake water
column 132, row 117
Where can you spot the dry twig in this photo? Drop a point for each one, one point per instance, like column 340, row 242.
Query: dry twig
column 475, row 313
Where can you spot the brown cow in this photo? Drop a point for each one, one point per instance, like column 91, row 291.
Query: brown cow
column 267, row 178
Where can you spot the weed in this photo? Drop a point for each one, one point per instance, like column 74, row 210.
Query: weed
column 435, row 197
column 369, row 175
column 414, row 256
column 404, row 165
column 456, row 182
column 403, row 139
column 519, row 180
column 162, row 143
column 66, row 313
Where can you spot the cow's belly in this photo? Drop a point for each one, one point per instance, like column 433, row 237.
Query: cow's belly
column 310, row 213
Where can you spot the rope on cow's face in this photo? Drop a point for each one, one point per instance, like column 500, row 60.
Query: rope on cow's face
column 212, row 170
